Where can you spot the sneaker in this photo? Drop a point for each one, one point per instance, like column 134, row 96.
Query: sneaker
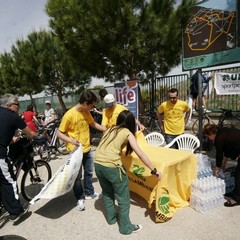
column 207, row 111
column 137, row 228
column 81, row 204
column 15, row 218
column 94, row 196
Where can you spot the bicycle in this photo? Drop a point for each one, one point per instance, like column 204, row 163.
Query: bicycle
column 47, row 144
column 151, row 122
column 36, row 173
column 226, row 119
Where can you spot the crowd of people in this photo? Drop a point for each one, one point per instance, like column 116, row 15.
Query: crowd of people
column 118, row 126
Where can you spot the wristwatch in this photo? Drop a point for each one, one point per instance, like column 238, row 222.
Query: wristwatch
column 154, row 171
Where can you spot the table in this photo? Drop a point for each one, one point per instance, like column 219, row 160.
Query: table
column 178, row 169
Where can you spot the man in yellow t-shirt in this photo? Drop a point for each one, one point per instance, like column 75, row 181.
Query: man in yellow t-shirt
column 74, row 129
column 173, row 116
column 111, row 112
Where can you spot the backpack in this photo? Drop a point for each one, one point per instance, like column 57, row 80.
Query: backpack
column 194, row 84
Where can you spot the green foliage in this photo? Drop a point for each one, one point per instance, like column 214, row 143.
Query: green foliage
column 120, row 38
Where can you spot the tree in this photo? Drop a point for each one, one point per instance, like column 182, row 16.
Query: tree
column 27, row 65
column 120, row 38
column 40, row 63
column 7, row 74
column 61, row 75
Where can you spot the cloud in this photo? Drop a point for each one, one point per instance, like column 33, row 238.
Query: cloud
column 19, row 18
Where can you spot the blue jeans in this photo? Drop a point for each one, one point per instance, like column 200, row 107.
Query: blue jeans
column 169, row 138
column 87, row 188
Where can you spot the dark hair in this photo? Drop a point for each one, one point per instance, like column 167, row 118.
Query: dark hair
column 30, row 107
column 173, row 90
column 210, row 129
column 125, row 120
column 87, row 96
column 102, row 93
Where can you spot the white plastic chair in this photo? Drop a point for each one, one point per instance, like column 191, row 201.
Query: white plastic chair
column 185, row 142
column 155, row 139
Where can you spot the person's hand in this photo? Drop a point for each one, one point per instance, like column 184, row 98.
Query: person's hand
column 159, row 175
column 74, row 142
column 15, row 139
column 142, row 127
column 216, row 171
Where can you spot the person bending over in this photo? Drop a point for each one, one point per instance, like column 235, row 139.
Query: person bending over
column 111, row 173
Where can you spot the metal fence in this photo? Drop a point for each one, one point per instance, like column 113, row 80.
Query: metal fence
column 152, row 95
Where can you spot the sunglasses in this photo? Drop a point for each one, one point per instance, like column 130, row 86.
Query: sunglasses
column 17, row 104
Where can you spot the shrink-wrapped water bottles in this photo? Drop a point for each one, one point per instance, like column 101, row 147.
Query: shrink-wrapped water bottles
column 204, row 166
column 206, row 191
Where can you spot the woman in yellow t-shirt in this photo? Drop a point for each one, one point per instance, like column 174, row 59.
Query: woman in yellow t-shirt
column 111, row 174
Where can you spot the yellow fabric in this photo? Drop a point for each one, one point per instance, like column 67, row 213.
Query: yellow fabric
column 75, row 124
column 174, row 116
column 108, row 153
column 109, row 116
column 178, row 169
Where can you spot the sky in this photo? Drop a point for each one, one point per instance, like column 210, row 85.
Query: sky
column 18, row 18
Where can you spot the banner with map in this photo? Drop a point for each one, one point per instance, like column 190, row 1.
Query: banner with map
column 210, row 37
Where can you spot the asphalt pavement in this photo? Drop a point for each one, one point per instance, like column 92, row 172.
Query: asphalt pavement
column 59, row 219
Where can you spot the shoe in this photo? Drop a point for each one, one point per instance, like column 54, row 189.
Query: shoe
column 81, row 204
column 137, row 228
column 207, row 111
column 193, row 111
column 15, row 218
column 230, row 204
column 93, row 196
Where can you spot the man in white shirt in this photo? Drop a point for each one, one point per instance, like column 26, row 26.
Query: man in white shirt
column 49, row 114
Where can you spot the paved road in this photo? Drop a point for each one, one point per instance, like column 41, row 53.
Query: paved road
column 59, row 219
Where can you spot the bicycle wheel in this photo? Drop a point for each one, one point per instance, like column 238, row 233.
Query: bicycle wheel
column 195, row 126
column 35, row 178
column 226, row 123
column 61, row 146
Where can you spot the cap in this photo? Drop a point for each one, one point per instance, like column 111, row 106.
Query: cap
column 47, row 102
column 109, row 100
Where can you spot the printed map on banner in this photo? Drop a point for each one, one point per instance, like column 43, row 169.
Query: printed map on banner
column 227, row 83
column 63, row 180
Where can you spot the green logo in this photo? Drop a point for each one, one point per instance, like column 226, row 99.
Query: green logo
column 138, row 171
column 163, row 204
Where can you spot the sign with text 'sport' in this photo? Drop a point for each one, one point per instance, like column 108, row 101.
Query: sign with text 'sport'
column 211, row 37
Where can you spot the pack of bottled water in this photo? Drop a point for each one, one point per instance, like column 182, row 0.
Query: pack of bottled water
column 204, row 166
column 229, row 180
column 207, row 193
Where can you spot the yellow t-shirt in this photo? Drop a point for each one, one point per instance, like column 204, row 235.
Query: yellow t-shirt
column 108, row 153
column 75, row 125
column 109, row 117
column 174, row 116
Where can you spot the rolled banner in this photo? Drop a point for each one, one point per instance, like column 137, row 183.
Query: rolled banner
column 63, row 180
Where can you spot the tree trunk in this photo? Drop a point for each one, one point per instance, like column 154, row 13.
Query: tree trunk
column 60, row 98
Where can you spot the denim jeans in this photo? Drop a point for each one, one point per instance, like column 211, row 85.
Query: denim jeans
column 169, row 138
column 80, row 190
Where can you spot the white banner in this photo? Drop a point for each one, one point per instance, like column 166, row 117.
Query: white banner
column 227, row 83
column 63, row 180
